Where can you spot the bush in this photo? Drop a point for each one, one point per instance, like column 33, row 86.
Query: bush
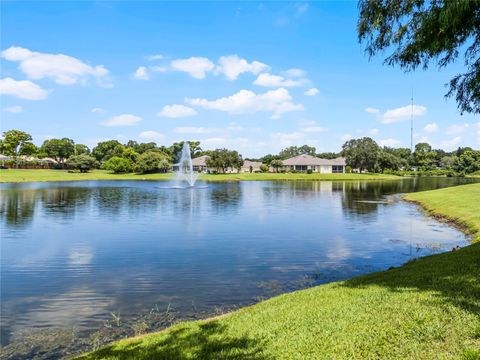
column 264, row 168
column 151, row 162
column 309, row 171
column 118, row 165
column 82, row 162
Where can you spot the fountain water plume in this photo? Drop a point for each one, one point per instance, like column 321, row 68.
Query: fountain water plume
column 185, row 168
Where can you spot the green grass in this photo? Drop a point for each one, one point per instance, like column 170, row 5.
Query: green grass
column 425, row 309
column 21, row 175
column 458, row 204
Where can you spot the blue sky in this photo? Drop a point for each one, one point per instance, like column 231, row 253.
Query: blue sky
column 256, row 77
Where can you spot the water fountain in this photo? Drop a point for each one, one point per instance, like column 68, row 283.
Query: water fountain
column 185, row 168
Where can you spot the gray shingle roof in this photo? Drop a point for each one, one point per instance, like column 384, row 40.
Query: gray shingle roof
column 313, row 160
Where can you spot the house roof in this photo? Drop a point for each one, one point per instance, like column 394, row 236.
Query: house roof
column 253, row 164
column 200, row 161
column 313, row 160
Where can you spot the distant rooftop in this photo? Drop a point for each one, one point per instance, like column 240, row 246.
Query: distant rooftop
column 303, row 160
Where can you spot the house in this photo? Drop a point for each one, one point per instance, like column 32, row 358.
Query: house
column 200, row 164
column 303, row 163
column 250, row 166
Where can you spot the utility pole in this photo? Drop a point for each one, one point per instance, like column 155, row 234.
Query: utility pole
column 411, row 125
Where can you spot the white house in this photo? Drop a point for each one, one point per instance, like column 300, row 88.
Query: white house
column 303, row 163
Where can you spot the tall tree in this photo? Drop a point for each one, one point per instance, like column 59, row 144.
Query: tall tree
column 13, row 141
column 222, row 159
column 425, row 31
column 424, row 157
column 361, row 154
column 59, row 149
column 81, row 149
column 297, row 150
column 107, row 149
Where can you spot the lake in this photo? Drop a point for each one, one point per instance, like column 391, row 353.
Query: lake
column 87, row 262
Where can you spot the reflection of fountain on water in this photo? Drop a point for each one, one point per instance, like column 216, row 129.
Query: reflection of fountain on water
column 185, row 168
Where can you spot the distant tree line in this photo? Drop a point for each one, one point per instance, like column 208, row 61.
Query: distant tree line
column 361, row 155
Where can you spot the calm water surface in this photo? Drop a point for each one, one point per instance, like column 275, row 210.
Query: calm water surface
column 73, row 253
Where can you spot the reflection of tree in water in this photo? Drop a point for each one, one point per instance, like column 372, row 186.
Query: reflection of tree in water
column 225, row 197
column 17, row 207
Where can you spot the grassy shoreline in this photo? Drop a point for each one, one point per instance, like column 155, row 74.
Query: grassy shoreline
column 23, row 175
column 427, row 308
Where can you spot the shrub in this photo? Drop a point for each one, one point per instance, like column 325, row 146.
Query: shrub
column 82, row 162
column 309, row 171
column 151, row 162
column 264, row 168
column 118, row 165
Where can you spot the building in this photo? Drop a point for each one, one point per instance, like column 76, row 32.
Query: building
column 250, row 166
column 200, row 164
column 303, row 163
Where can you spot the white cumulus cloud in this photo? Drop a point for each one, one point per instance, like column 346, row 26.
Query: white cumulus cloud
column 122, row 120
column 269, row 80
column 22, row 89
column 372, row 110
column 311, row 92
column 14, row 109
column 151, row 135
column 451, row 143
column 176, row 111
column 63, row 69
column 233, row 66
column 97, row 110
column 403, row 113
column 276, row 101
column 141, row 73
column 457, row 129
column 431, row 128
column 196, row 67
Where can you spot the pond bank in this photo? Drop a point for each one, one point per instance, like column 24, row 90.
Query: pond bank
column 22, row 175
column 427, row 308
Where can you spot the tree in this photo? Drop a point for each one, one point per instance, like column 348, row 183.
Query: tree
column 107, row 149
column 424, row 156
column 130, row 154
column 328, row 155
column 142, row 147
column 389, row 161
column 447, row 162
column 59, row 149
column 267, row 159
column 81, row 149
column 151, row 162
column 276, row 164
column 361, row 153
column 176, row 148
column 28, row 148
column 82, row 162
column 421, row 32
column 468, row 162
column 222, row 159
column 297, row 150
column 118, row 165
column 13, row 141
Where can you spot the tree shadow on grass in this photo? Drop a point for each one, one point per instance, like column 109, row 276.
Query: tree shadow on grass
column 454, row 276
column 207, row 341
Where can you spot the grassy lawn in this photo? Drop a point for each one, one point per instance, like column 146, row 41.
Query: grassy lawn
column 459, row 204
column 20, row 175
column 425, row 309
